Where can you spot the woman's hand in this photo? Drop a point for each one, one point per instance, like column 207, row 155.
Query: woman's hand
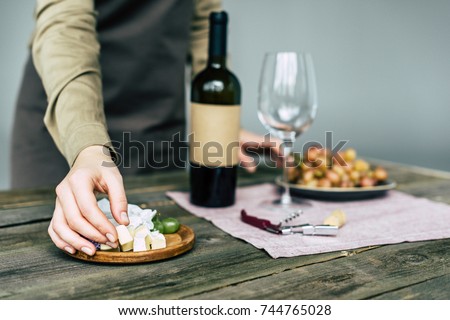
column 77, row 216
column 252, row 143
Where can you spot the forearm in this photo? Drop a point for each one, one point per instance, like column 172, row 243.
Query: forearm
column 66, row 55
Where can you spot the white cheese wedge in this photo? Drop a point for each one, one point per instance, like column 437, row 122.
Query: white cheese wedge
column 131, row 229
column 125, row 238
column 141, row 242
column 135, row 220
column 158, row 241
column 142, row 229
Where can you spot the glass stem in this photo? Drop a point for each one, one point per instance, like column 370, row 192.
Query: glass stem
column 286, row 149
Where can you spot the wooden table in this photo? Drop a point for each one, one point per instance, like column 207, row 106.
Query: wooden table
column 219, row 266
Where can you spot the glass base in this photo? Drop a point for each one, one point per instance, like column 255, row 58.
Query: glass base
column 295, row 205
column 293, row 202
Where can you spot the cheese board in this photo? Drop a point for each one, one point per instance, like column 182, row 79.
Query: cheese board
column 177, row 243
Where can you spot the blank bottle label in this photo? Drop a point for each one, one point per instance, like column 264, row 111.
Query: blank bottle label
column 214, row 138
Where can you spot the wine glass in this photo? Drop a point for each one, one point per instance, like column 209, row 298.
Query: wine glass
column 287, row 103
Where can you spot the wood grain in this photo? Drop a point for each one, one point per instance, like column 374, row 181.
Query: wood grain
column 216, row 260
column 360, row 276
column 218, row 266
column 431, row 289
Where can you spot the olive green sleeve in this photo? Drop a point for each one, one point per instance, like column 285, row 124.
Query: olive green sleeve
column 200, row 31
column 65, row 52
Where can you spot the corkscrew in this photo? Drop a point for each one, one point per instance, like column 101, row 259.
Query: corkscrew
column 283, row 229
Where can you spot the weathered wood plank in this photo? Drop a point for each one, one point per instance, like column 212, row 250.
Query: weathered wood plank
column 32, row 268
column 36, row 197
column 46, row 273
column 436, row 190
column 219, row 266
column 12, row 217
column 433, row 289
column 359, row 276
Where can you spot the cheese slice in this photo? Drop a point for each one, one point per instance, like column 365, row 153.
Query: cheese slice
column 131, row 229
column 142, row 229
column 125, row 238
column 158, row 240
column 141, row 242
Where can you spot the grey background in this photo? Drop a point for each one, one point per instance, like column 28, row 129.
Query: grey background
column 383, row 70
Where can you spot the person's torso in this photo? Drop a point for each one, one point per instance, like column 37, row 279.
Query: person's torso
column 144, row 45
column 144, row 48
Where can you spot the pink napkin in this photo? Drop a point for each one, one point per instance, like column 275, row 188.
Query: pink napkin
column 395, row 218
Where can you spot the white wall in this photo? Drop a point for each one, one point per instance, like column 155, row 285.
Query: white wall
column 383, row 69
column 16, row 23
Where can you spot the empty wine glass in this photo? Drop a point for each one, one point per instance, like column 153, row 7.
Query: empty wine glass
column 287, row 102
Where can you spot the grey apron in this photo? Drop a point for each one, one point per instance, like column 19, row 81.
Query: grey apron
column 144, row 45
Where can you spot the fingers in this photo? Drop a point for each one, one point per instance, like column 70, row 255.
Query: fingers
column 64, row 237
column 117, row 198
column 274, row 145
column 252, row 143
column 76, row 213
column 80, row 212
column 77, row 219
column 247, row 162
column 85, row 200
column 60, row 243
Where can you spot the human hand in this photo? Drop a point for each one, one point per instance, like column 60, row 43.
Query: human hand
column 252, row 143
column 77, row 216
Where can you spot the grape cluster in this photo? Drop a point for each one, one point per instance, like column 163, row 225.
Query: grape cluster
column 320, row 168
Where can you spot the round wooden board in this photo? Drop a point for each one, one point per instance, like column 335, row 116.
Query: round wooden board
column 177, row 243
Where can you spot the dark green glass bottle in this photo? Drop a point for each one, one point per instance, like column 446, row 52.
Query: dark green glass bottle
column 215, row 124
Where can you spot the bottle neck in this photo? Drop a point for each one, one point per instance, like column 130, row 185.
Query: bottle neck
column 217, row 55
column 217, row 62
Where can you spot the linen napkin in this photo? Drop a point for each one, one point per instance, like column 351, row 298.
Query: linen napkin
column 394, row 218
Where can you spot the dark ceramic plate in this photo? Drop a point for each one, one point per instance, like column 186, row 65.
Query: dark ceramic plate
column 341, row 194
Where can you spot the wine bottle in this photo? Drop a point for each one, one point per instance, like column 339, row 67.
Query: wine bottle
column 214, row 124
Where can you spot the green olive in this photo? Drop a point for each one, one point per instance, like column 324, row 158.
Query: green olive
column 158, row 225
column 171, row 225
